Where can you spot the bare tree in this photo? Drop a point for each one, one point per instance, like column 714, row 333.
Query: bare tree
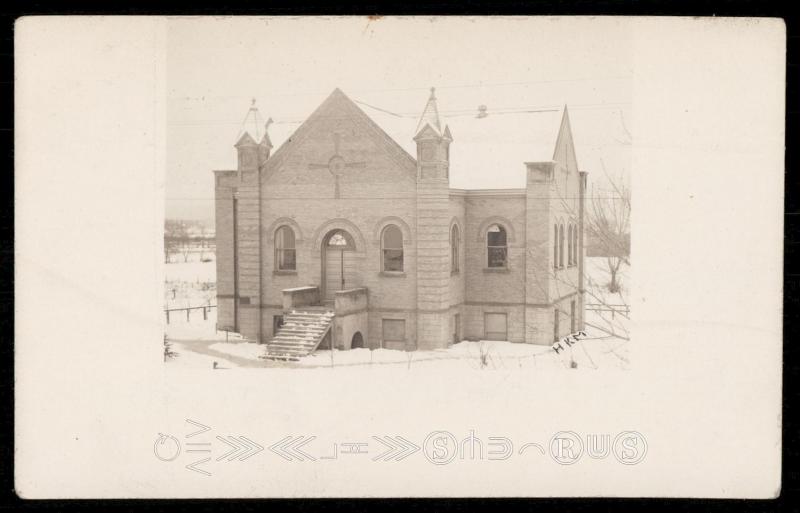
column 172, row 242
column 185, row 242
column 610, row 312
column 203, row 237
column 608, row 224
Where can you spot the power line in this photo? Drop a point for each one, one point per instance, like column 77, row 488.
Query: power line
column 414, row 115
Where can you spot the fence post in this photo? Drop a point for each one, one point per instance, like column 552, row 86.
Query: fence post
column 167, row 312
column 205, row 314
column 187, row 314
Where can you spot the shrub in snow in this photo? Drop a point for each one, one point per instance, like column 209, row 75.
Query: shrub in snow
column 168, row 352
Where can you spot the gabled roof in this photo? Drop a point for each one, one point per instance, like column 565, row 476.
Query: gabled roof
column 488, row 152
column 338, row 101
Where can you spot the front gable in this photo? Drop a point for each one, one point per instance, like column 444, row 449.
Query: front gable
column 338, row 139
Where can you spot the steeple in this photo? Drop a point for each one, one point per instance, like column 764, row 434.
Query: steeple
column 433, row 144
column 430, row 116
column 253, row 155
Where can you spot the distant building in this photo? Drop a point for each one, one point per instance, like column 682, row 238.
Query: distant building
column 342, row 219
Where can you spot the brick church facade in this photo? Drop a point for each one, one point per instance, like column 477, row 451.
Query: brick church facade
column 342, row 220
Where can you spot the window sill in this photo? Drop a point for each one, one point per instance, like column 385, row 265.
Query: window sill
column 284, row 272
column 393, row 274
column 496, row 270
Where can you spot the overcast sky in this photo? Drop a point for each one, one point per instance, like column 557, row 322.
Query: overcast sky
column 290, row 65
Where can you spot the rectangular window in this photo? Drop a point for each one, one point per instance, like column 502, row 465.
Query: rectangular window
column 496, row 326
column 244, row 300
column 394, row 330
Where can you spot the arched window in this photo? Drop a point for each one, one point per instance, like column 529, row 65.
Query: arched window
column 454, row 245
column 392, row 248
column 561, row 245
column 497, row 246
column 569, row 244
column 575, row 246
column 285, row 253
column 555, row 246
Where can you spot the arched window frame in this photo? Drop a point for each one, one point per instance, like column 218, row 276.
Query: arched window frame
column 496, row 247
column 386, row 251
column 455, row 246
column 285, row 251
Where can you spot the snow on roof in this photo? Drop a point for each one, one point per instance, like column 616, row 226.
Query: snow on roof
column 486, row 152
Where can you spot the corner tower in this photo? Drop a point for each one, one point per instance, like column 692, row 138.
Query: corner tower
column 433, row 248
column 238, row 232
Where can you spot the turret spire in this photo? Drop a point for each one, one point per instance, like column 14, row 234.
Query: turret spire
column 430, row 116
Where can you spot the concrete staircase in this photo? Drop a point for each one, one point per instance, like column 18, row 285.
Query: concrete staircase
column 301, row 333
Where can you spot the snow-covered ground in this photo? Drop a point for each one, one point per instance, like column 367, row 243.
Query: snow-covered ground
column 191, row 283
column 199, row 345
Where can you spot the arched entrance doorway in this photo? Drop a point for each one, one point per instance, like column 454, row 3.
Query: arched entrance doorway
column 358, row 341
column 339, row 270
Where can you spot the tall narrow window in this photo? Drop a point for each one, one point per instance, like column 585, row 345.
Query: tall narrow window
column 285, row 255
column 555, row 246
column 497, row 246
column 392, row 246
column 454, row 245
column 561, row 245
column 575, row 245
column 569, row 245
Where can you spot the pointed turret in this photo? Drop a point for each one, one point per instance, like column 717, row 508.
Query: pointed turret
column 430, row 116
column 253, row 155
column 433, row 143
column 265, row 146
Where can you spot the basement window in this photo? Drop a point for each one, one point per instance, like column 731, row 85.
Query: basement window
column 394, row 330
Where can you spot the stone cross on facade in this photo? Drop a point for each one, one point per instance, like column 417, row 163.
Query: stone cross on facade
column 336, row 164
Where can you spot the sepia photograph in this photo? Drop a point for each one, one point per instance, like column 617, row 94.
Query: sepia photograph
column 432, row 215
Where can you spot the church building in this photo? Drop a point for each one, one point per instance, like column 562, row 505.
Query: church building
column 342, row 236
